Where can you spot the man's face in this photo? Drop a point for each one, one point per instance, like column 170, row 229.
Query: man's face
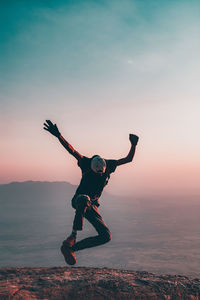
column 100, row 172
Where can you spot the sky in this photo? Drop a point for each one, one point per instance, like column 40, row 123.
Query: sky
column 101, row 70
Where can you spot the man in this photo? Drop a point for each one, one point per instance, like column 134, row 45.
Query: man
column 95, row 175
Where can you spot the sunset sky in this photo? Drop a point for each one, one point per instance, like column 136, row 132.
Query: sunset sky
column 102, row 70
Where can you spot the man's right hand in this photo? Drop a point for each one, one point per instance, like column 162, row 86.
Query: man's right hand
column 52, row 128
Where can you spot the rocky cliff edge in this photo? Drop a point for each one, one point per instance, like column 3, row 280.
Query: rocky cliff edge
column 90, row 283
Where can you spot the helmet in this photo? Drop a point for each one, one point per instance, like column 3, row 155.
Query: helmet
column 98, row 164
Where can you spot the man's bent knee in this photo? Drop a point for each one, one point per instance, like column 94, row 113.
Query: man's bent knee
column 106, row 237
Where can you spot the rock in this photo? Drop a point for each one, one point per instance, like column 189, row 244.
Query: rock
column 90, row 283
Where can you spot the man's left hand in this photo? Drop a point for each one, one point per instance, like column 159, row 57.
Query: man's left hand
column 133, row 139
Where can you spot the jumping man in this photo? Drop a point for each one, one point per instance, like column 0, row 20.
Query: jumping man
column 95, row 175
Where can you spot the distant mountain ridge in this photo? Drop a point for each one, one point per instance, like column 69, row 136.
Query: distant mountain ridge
column 33, row 188
column 36, row 182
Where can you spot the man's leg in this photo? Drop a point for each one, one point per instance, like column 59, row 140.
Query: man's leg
column 80, row 203
column 93, row 216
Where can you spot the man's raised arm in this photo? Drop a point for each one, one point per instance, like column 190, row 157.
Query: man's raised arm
column 133, row 139
column 53, row 129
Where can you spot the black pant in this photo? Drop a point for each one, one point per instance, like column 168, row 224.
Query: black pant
column 87, row 208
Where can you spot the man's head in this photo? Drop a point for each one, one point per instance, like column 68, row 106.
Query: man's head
column 98, row 164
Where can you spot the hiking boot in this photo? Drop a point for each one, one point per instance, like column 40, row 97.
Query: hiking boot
column 70, row 241
column 68, row 254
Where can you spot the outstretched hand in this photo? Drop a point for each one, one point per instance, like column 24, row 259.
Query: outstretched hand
column 52, row 128
column 133, row 139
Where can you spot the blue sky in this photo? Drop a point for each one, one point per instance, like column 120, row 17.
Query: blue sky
column 102, row 69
